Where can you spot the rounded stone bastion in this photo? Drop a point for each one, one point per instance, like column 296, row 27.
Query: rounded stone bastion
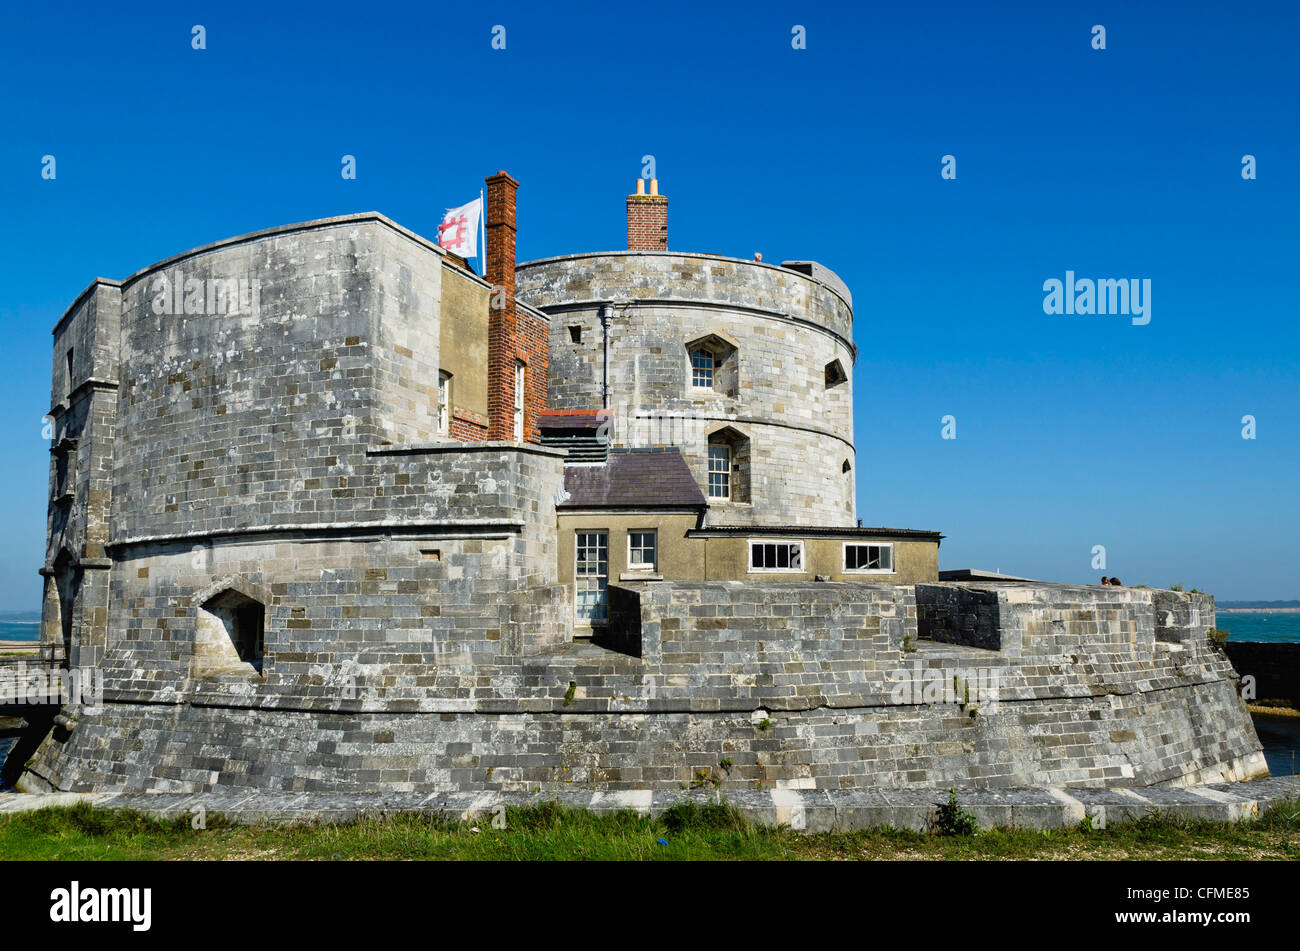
column 701, row 351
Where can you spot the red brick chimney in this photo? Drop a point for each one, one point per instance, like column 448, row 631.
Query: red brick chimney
column 503, row 321
column 647, row 218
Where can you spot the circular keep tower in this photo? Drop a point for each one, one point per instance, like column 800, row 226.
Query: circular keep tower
column 745, row 366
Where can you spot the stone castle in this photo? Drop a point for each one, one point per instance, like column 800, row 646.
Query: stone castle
column 331, row 512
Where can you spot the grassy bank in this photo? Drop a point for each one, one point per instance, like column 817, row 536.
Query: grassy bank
column 551, row 832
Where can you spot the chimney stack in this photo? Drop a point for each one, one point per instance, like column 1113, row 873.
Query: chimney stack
column 647, row 218
column 503, row 323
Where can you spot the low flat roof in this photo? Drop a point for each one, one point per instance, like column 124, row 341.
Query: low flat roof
column 815, row 531
column 977, row 574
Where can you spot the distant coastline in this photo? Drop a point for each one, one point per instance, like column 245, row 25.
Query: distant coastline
column 1258, row 607
column 1223, row 610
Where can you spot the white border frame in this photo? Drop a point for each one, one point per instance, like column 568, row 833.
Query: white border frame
column 708, row 472
column 803, row 556
column 844, row 560
column 445, row 410
column 585, row 622
column 640, row 565
column 693, row 387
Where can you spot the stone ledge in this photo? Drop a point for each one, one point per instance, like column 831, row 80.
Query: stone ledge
column 808, row 810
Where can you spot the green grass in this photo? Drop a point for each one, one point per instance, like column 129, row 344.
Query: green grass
column 550, row 831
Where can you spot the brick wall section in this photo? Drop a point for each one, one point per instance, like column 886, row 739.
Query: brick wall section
column 647, row 223
column 534, row 345
column 503, row 329
column 465, row 428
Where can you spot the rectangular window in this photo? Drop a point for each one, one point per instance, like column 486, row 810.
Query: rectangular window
column 775, row 556
column 702, row 369
column 868, row 557
column 719, row 472
column 642, row 550
column 519, row 401
column 591, row 576
column 444, row 402
column 69, row 380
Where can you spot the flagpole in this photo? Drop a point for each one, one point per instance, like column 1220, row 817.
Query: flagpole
column 482, row 226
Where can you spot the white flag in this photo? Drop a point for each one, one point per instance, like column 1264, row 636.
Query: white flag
column 459, row 229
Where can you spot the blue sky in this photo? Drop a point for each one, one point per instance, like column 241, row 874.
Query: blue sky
column 1072, row 431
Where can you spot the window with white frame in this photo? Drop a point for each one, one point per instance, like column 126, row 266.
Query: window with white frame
column 874, row 557
column 775, row 556
column 642, row 550
column 719, row 472
column 519, row 401
column 702, row 368
column 444, row 402
column 591, row 576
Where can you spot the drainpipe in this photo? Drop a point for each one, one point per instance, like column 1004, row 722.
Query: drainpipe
column 606, row 312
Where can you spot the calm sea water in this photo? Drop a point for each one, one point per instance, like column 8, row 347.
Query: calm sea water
column 20, row 630
column 1260, row 627
column 1280, row 737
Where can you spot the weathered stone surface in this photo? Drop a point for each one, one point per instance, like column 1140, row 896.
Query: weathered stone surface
column 785, row 328
column 803, row 810
column 279, row 468
column 733, row 685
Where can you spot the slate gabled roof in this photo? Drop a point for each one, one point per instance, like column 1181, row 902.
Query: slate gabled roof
column 634, row 478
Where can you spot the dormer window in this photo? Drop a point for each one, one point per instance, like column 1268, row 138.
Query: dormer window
column 712, row 367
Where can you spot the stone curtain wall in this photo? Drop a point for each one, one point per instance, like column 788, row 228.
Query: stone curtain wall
column 438, row 559
column 740, row 645
column 785, row 327
column 790, row 685
column 955, row 615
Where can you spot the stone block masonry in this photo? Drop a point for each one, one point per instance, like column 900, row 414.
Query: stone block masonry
column 791, row 427
column 732, row 685
column 293, row 580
